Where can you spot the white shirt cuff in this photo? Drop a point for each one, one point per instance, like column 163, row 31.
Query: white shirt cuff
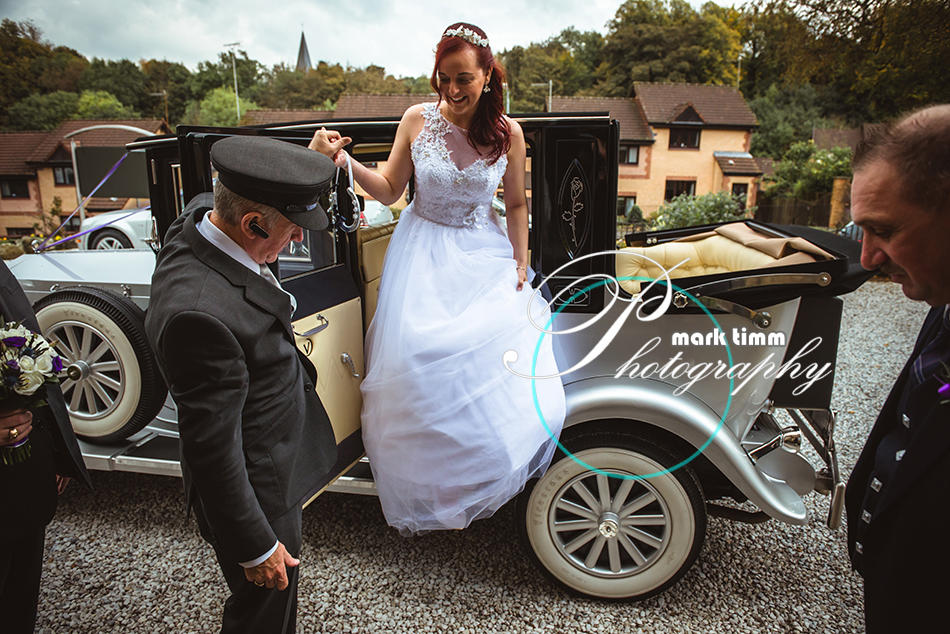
column 261, row 559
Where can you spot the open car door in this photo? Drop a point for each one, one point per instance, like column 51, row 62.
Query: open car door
column 321, row 272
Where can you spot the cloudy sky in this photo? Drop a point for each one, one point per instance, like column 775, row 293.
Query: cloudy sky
column 397, row 34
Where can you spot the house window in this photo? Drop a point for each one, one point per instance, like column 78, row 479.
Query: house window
column 18, row 232
column 15, row 189
column 64, row 176
column 741, row 190
column 678, row 188
column 684, row 138
column 624, row 205
column 629, row 154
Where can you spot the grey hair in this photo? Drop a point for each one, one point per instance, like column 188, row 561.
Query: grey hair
column 231, row 207
column 918, row 148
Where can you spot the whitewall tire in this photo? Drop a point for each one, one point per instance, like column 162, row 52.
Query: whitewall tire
column 111, row 382
column 611, row 537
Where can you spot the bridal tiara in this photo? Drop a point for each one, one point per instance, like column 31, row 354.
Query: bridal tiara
column 468, row 35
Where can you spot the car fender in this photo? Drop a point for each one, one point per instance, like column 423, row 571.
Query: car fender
column 134, row 223
column 124, row 271
column 653, row 402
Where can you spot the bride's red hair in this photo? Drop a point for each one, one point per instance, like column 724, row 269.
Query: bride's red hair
column 489, row 128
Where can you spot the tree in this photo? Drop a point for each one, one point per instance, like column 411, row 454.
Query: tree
column 49, row 221
column 211, row 75
column 43, row 112
column 668, row 41
column 30, row 66
column 372, row 80
column 872, row 59
column 569, row 59
column 786, row 114
column 218, row 109
column 417, row 85
column 172, row 78
column 99, row 104
column 60, row 71
column 892, row 55
column 806, row 171
column 288, row 88
column 123, row 79
column 777, row 49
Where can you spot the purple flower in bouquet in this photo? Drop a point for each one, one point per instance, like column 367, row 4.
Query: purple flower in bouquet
column 28, row 363
column 14, row 342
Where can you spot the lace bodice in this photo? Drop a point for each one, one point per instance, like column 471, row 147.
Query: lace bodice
column 446, row 194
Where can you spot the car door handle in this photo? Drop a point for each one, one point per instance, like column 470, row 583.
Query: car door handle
column 346, row 358
column 310, row 333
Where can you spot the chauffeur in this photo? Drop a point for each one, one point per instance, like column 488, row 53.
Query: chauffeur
column 255, row 438
column 898, row 497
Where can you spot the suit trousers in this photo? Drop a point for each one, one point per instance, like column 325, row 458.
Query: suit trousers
column 251, row 609
column 21, row 565
column 31, row 506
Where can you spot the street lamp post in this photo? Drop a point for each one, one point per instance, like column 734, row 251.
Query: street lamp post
column 550, row 85
column 237, row 101
column 164, row 94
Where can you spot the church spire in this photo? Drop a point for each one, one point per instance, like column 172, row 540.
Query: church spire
column 303, row 56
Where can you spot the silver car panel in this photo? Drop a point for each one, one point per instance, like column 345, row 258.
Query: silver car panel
column 124, row 271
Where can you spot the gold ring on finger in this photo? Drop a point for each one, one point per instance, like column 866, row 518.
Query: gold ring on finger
column 14, row 432
column 259, row 584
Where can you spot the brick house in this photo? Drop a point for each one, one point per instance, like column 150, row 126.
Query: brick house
column 37, row 167
column 675, row 139
column 19, row 186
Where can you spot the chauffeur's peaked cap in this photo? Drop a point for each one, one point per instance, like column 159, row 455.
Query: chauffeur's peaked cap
column 287, row 177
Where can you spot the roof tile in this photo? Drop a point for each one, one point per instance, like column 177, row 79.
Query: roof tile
column 377, row 106
column 717, row 105
column 738, row 165
column 95, row 138
column 627, row 111
column 265, row 116
column 15, row 150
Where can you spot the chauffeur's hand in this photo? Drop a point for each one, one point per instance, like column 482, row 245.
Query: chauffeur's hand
column 273, row 571
column 15, row 426
column 330, row 143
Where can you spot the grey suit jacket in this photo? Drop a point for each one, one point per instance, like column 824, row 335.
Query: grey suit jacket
column 254, row 436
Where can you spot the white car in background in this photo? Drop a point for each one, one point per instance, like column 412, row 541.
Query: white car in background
column 375, row 213
column 122, row 229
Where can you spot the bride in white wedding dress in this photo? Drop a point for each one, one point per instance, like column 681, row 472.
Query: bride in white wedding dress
column 452, row 434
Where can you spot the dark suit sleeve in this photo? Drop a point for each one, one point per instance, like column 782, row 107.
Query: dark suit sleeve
column 208, row 378
column 14, row 306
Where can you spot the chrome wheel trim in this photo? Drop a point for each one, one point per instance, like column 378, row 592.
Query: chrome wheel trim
column 609, row 527
column 109, row 243
column 101, row 384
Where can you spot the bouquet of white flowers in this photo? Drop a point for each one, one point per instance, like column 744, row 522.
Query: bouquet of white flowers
column 28, row 363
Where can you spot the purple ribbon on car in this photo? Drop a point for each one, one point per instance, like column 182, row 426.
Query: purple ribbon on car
column 43, row 245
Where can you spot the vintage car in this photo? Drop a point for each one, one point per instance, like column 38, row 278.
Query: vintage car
column 695, row 360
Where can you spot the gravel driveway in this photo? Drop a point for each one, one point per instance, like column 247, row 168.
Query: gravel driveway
column 125, row 559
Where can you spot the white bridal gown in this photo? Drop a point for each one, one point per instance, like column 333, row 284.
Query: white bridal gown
column 452, row 434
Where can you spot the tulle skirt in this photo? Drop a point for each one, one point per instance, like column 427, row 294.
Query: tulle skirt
column 450, row 432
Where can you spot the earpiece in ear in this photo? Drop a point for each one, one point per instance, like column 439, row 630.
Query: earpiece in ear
column 259, row 230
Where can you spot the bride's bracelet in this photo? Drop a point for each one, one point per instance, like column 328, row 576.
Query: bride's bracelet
column 521, row 268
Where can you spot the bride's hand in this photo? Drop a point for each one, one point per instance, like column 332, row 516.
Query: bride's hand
column 330, row 143
column 522, row 277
